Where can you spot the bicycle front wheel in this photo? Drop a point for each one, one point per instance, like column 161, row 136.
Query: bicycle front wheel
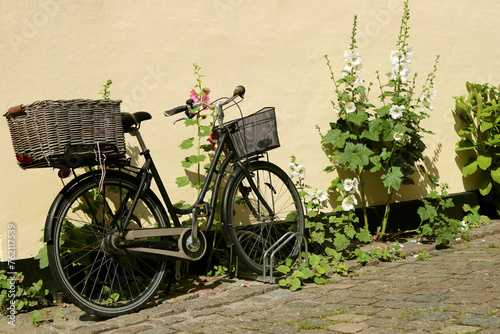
column 250, row 225
column 92, row 276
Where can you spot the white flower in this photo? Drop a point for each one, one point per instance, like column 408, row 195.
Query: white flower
column 463, row 226
column 401, row 69
column 398, row 136
column 355, row 183
column 351, row 185
column 408, row 50
column 430, row 96
column 292, row 170
column 397, row 57
column 350, row 107
column 348, row 203
column 396, row 111
column 301, row 172
column 336, row 108
column 355, row 58
column 352, row 59
column 348, row 65
column 322, row 197
column 359, row 80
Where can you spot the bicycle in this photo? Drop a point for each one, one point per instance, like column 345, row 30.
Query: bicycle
column 109, row 237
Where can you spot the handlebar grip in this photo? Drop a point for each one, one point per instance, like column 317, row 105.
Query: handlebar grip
column 239, row 91
column 177, row 110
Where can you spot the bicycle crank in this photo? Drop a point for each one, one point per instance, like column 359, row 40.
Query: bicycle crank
column 138, row 243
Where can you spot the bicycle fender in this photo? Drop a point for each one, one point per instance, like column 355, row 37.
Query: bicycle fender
column 49, row 221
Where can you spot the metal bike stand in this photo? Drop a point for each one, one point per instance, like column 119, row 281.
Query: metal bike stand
column 286, row 238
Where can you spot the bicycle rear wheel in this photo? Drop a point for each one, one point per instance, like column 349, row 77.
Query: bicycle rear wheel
column 91, row 275
column 250, row 226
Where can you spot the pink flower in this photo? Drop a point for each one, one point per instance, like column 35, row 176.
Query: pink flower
column 194, row 96
column 205, row 98
column 212, row 140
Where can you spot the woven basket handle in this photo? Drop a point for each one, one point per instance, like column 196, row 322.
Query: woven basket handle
column 16, row 111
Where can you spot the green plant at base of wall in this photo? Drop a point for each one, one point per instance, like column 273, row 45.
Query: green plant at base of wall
column 480, row 132
column 14, row 296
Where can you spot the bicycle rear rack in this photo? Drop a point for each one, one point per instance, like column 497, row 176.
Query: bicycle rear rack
column 269, row 255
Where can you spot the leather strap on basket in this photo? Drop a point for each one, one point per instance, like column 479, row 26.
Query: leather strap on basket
column 16, row 111
column 101, row 158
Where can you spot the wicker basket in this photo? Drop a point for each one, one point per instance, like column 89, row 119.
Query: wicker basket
column 254, row 134
column 66, row 132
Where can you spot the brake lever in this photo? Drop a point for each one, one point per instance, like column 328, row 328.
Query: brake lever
column 180, row 119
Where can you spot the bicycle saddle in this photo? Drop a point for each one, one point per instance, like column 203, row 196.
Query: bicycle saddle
column 135, row 119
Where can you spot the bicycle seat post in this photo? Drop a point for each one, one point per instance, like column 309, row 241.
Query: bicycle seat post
column 135, row 132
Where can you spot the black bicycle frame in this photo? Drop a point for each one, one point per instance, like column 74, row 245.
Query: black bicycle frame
column 149, row 170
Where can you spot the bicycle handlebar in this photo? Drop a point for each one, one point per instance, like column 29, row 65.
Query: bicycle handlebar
column 239, row 91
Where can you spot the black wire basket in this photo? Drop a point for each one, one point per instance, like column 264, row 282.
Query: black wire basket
column 254, row 134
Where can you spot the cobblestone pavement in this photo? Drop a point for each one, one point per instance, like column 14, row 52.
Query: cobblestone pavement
column 453, row 291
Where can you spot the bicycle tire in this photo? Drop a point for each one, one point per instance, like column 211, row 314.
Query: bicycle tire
column 90, row 276
column 247, row 222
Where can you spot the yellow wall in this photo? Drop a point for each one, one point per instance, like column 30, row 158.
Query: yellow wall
column 64, row 49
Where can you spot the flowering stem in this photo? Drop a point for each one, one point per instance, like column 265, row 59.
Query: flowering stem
column 363, row 199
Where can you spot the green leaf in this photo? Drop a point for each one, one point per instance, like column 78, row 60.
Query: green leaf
column 336, row 137
column 204, row 131
column 426, row 230
column 283, row 269
column 340, row 242
column 360, row 90
column 319, row 280
column 308, row 273
column 362, row 257
column 363, row 235
column 190, row 122
column 493, row 141
column 349, row 231
column 484, row 162
column 43, row 257
column 357, row 118
column 186, row 163
column 392, row 178
column 312, row 214
column 382, row 111
column 427, row 213
column 282, row 283
column 355, row 155
column 298, row 273
column 470, row 167
column 370, row 135
column 485, row 186
column 295, row 284
column 465, row 145
column 495, row 175
column 182, row 181
column 314, row 259
column 445, row 238
column 485, row 126
column 188, row 143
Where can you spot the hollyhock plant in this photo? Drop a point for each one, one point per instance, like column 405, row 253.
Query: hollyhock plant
column 387, row 138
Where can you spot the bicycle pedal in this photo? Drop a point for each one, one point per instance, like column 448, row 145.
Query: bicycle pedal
column 202, row 210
